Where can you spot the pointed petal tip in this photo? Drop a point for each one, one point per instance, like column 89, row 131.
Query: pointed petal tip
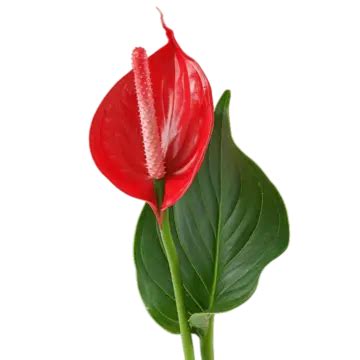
column 169, row 32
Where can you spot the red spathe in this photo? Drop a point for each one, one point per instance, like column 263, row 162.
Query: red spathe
column 185, row 117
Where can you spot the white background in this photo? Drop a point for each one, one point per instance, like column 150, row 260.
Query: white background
column 67, row 279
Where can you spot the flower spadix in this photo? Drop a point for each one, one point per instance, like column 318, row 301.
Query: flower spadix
column 154, row 156
column 155, row 123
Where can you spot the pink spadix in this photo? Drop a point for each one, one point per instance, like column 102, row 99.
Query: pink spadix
column 145, row 99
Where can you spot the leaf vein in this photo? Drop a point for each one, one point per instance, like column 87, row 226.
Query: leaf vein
column 247, row 241
column 188, row 258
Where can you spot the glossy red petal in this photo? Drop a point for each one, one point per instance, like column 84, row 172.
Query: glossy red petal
column 184, row 113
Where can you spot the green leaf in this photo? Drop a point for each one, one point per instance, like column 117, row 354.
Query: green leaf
column 228, row 226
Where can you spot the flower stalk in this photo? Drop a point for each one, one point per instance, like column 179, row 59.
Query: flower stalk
column 207, row 341
column 174, row 266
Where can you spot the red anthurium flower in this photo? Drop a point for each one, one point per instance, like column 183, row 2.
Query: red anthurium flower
column 155, row 123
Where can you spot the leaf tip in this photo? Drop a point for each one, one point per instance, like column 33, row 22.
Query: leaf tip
column 225, row 97
column 224, row 101
column 226, row 94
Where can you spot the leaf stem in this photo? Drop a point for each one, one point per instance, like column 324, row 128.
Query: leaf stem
column 207, row 341
column 174, row 266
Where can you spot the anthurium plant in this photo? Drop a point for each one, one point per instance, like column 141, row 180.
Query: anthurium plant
column 212, row 219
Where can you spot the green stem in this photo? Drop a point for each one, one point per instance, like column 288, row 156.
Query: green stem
column 174, row 266
column 207, row 341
